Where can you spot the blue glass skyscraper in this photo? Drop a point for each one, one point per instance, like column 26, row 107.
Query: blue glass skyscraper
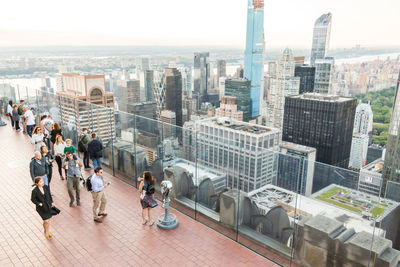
column 254, row 54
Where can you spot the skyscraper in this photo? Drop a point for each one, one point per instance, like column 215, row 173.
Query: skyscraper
column 363, row 120
column 323, row 75
column 201, row 76
column 321, row 37
column 149, row 84
column 254, row 54
column 173, row 93
column 240, row 88
column 323, row 122
column 358, row 152
column 307, row 76
column 221, row 69
column 284, row 84
column 391, row 170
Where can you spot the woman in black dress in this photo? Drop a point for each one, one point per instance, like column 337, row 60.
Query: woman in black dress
column 41, row 197
column 146, row 196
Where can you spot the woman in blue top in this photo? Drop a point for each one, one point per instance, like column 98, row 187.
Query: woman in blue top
column 146, row 189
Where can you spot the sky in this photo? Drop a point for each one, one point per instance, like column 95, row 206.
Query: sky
column 288, row 23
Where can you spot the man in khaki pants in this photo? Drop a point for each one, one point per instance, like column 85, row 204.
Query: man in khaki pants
column 99, row 198
column 73, row 167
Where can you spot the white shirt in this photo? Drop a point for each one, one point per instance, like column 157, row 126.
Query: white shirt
column 39, row 139
column 9, row 109
column 59, row 149
column 29, row 117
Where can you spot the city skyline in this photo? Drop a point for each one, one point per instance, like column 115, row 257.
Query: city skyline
column 120, row 24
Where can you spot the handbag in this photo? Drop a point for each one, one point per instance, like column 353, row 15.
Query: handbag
column 55, row 211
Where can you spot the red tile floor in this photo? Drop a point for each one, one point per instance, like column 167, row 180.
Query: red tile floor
column 121, row 240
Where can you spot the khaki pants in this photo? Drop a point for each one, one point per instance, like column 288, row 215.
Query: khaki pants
column 99, row 199
column 73, row 183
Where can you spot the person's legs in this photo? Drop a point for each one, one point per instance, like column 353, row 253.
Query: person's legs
column 45, row 180
column 86, row 159
column 59, row 164
column 70, row 185
column 77, row 190
column 29, row 130
column 103, row 202
column 12, row 122
column 46, row 226
column 50, row 174
column 96, row 203
column 144, row 216
column 94, row 161
column 149, row 216
column 16, row 125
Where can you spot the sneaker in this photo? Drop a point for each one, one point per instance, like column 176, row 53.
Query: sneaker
column 103, row 214
column 78, row 202
column 71, row 203
column 98, row 220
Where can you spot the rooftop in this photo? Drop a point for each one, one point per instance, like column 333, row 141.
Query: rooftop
column 323, row 98
column 239, row 125
column 121, row 240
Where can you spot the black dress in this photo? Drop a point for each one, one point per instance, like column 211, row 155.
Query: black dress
column 37, row 197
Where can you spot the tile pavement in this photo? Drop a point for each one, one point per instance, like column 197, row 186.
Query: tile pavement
column 121, row 240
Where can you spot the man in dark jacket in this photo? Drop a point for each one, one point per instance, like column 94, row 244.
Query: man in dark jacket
column 95, row 151
column 84, row 140
column 38, row 167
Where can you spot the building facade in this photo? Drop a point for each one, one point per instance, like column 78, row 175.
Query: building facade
column 306, row 74
column 323, row 76
column 228, row 108
column 323, row 122
column 285, row 84
column 321, row 37
column 201, row 75
column 149, row 85
column 221, row 69
column 254, row 54
column 391, row 170
column 363, row 120
column 296, row 168
column 358, row 152
column 76, row 111
column 241, row 89
column 173, row 93
column 244, row 151
column 371, row 178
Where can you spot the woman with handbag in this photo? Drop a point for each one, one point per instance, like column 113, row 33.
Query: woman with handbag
column 146, row 189
column 41, row 197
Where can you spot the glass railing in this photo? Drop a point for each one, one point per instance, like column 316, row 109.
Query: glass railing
column 292, row 210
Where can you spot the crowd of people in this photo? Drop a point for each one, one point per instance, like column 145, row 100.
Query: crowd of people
column 47, row 139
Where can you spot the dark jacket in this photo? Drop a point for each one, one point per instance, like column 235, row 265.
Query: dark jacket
column 53, row 135
column 15, row 114
column 94, row 147
column 37, row 197
column 48, row 157
column 38, row 169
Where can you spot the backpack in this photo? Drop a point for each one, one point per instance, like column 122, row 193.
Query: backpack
column 88, row 183
column 48, row 125
column 150, row 189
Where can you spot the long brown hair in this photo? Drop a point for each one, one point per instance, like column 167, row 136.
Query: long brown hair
column 57, row 137
column 148, row 177
column 56, row 126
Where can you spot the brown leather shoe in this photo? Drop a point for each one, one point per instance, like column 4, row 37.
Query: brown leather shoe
column 98, row 220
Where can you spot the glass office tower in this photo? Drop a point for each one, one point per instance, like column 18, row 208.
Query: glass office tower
column 254, row 54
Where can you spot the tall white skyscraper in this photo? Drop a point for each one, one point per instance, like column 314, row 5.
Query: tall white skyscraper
column 363, row 120
column 284, row 84
column 358, row 152
column 323, row 76
column 321, row 37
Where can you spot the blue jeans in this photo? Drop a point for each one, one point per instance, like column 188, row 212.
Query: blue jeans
column 29, row 129
column 45, row 180
column 96, row 162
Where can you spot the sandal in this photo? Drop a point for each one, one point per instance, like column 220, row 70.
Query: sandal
column 145, row 221
column 48, row 237
column 151, row 223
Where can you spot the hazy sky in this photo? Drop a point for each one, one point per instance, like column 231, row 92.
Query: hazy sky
column 188, row 22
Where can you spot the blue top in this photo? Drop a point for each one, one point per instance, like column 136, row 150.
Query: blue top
column 97, row 183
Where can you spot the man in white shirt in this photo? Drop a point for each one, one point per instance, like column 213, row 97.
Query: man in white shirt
column 29, row 121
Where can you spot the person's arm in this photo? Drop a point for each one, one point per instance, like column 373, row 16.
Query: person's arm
column 80, row 164
column 141, row 187
column 65, row 162
column 34, row 198
column 49, row 194
column 33, row 140
column 73, row 149
column 31, row 167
